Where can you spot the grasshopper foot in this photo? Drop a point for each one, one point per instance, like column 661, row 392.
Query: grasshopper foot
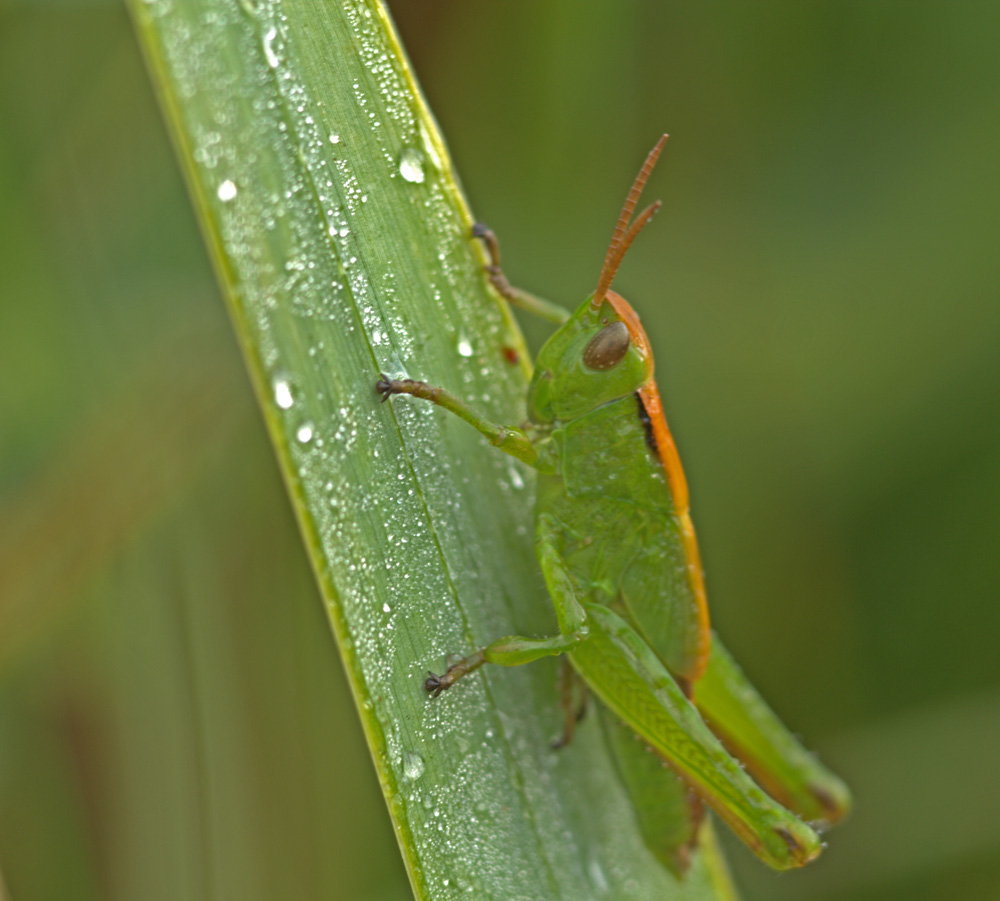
column 435, row 684
column 387, row 387
column 499, row 281
column 384, row 387
column 485, row 234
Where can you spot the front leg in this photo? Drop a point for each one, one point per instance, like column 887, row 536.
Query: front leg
column 510, row 439
column 529, row 302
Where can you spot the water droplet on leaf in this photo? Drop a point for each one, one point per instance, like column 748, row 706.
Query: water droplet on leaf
column 411, row 165
column 227, row 190
column 269, row 54
column 283, row 392
column 413, row 766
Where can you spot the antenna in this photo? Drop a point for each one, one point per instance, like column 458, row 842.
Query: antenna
column 624, row 234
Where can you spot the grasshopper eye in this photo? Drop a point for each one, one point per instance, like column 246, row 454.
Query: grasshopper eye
column 607, row 348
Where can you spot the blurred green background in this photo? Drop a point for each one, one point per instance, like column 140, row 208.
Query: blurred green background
column 821, row 288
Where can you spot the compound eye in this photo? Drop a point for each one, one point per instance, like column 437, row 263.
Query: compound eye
column 607, row 348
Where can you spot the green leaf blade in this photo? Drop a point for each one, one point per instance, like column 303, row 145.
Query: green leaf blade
column 341, row 239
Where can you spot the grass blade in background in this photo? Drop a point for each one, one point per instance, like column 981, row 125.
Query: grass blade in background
column 340, row 236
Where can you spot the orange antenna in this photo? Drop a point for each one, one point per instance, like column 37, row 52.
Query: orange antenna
column 624, row 234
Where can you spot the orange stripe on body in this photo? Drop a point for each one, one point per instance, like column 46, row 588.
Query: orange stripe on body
column 649, row 394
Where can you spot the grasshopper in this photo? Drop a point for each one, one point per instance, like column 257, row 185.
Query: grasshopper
column 620, row 560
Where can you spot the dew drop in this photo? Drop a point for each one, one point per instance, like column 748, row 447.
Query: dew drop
column 597, row 875
column 413, row 766
column 227, row 190
column 283, row 393
column 304, row 433
column 411, row 165
column 464, row 347
column 269, row 54
column 334, row 139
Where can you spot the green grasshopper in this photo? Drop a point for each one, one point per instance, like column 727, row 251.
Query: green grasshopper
column 620, row 560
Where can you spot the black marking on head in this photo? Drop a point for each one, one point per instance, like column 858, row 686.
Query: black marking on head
column 647, row 424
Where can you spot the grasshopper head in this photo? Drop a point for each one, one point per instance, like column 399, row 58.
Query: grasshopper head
column 601, row 353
